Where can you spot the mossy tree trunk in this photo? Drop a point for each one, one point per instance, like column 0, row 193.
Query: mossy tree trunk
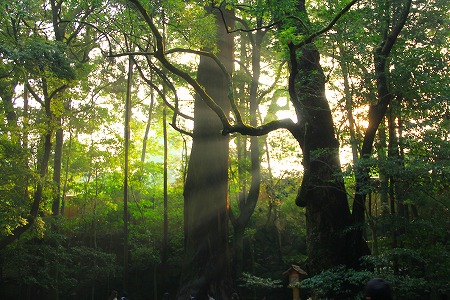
column 328, row 218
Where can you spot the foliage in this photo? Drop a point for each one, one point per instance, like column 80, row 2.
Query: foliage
column 255, row 282
column 422, row 282
column 54, row 264
column 339, row 282
column 85, row 248
column 15, row 174
column 40, row 55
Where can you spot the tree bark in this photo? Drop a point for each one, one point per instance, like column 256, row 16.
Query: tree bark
column 127, row 132
column 328, row 219
column 206, row 266
column 57, row 163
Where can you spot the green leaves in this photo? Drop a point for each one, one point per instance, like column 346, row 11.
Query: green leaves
column 192, row 25
column 339, row 282
column 54, row 264
column 255, row 282
column 40, row 56
column 13, row 181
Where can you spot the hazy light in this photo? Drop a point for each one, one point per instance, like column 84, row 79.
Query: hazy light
column 285, row 114
column 282, row 101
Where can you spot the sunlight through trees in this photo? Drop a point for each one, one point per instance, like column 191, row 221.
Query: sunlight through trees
column 178, row 149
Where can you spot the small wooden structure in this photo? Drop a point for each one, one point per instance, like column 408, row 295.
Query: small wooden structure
column 295, row 274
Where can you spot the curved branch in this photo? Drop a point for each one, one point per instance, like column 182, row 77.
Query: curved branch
column 35, row 95
column 392, row 37
column 224, row 71
column 191, row 81
column 330, row 25
column 228, row 128
column 180, row 130
column 160, row 55
column 172, row 88
column 262, row 129
column 175, row 110
column 274, row 84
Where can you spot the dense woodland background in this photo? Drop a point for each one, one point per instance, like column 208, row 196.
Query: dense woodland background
column 187, row 147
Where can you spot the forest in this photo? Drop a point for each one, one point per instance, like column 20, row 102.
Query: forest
column 235, row 149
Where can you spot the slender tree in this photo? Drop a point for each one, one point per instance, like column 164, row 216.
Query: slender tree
column 377, row 111
column 247, row 199
column 127, row 132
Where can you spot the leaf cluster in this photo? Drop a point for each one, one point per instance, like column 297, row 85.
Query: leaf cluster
column 40, row 56
column 254, row 282
column 53, row 264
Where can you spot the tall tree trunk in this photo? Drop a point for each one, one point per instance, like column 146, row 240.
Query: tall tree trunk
column 147, row 127
column 125, row 183
column 59, row 138
column 57, row 163
column 247, row 202
column 206, row 265
column 328, row 220
column 166, row 221
column 145, row 139
column 378, row 110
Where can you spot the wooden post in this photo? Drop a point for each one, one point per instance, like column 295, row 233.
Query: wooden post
column 295, row 275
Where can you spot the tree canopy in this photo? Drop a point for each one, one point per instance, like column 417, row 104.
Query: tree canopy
column 201, row 148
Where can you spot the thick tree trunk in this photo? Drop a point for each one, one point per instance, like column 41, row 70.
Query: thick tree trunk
column 328, row 220
column 206, row 265
column 330, row 240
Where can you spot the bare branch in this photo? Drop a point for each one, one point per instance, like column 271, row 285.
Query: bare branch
column 224, row 71
column 392, row 37
column 35, row 95
column 160, row 55
column 160, row 93
column 58, row 90
column 240, row 127
column 261, row 130
column 180, row 130
column 277, row 77
column 330, row 25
